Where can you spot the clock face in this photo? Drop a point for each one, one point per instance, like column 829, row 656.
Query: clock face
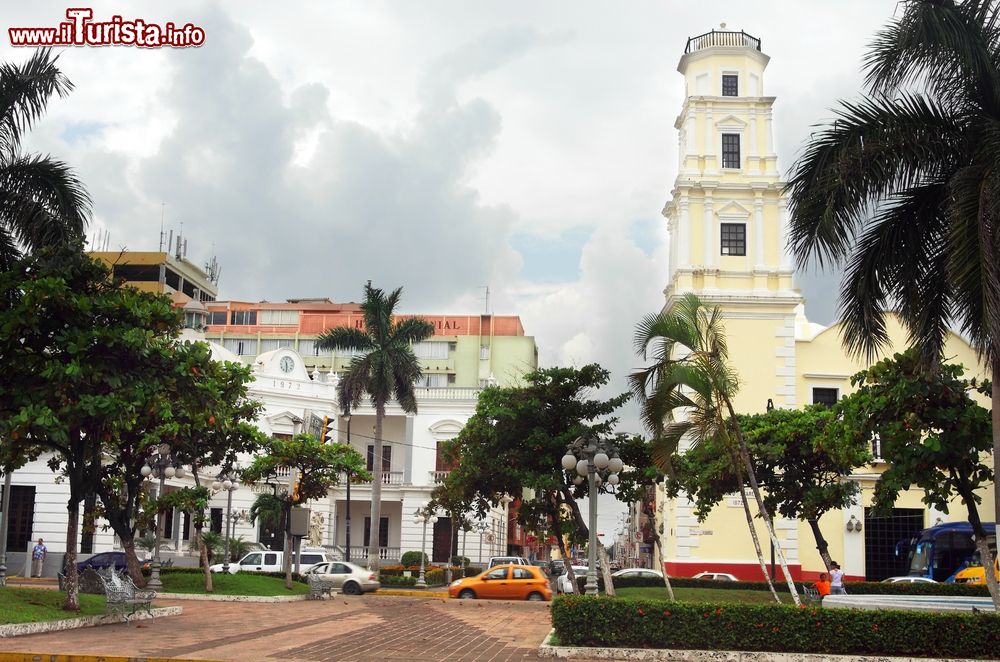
column 287, row 364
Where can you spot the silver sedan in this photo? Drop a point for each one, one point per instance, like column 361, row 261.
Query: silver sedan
column 347, row 578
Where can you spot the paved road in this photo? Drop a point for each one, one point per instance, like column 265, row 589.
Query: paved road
column 359, row 628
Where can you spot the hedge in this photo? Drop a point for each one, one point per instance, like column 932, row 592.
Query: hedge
column 601, row 621
column 866, row 588
column 395, row 580
column 199, row 571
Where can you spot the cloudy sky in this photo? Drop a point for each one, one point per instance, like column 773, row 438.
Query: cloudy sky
column 440, row 145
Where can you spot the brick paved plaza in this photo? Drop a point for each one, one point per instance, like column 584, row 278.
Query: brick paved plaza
column 357, row 628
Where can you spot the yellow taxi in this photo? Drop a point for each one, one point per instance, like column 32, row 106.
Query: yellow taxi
column 975, row 574
column 504, row 582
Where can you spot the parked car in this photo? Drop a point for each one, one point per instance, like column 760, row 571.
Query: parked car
column 635, row 573
column 563, row 585
column 908, row 580
column 508, row 560
column 717, row 576
column 268, row 561
column 103, row 560
column 504, row 582
column 347, row 578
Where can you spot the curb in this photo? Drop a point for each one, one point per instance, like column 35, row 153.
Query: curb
column 210, row 597
column 72, row 657
column 677, row 655
column 412, row 594
column 20, row 629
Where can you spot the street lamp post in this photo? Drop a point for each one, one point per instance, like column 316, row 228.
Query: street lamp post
column 347, row 514
column 162, row 465
column 229, row 486
column 481, row 527
column 423, row 515
column 589, row 456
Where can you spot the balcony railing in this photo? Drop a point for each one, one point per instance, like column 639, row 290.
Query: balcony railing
column 446, row 393
column 389, row 478
column 721, row 38
column 437, row 477
column 359, row 554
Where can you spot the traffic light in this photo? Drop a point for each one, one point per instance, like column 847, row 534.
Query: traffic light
column 329, row 429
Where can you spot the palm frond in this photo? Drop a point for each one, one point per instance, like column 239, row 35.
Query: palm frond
column 25, row 90
column 344, row 338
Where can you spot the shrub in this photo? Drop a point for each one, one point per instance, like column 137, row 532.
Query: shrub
column 600, row 621
column 869, row 588
column 460, row 561
column 395, row 580
column 413, row 558
column 192, row 571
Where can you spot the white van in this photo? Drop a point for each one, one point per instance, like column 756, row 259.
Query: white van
column 268, row 561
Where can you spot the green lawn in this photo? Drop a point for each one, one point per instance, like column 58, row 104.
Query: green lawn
column 242, row 583
column 28, row 605
column 698, row 594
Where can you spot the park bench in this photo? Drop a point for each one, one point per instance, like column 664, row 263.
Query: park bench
column 87, row 580
column 320, row 586
column 810, row 595
column 121, row 595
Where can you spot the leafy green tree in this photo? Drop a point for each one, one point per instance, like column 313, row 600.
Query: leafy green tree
column 691, row 371
column 316, row 466
column 516, row 440
column 42, row 203
column 903, row 188
column 802, row 471
column 385, row 367
column 201, row 408
column 74, row 345
column 932, row 435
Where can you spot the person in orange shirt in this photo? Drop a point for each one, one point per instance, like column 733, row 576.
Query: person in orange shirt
column 823, row 585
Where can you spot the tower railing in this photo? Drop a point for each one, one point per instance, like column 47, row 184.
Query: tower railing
column 721, row 38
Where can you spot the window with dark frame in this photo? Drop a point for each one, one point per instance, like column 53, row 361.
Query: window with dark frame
column 730, row 150
column 825, row 396
column 730, row 85
column 733, row 238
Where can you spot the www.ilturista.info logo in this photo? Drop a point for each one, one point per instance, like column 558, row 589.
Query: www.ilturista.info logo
column 81, row 30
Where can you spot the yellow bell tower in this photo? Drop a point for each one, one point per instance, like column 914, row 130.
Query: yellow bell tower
column 728, row 216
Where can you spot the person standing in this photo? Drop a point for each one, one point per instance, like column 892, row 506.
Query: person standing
column 836, row 579
column 38, row 558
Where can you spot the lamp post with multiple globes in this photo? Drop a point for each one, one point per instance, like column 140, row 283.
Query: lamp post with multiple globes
column 424, row 515
column 591, row 457
column 230, row 486
column 161, row 465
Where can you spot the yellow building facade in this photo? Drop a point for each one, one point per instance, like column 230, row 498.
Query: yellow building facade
column 728, row 225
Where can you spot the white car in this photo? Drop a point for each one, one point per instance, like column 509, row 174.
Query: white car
column 635, row 573
column 562, row 583
column 909, row 580
column 508, row 560
column 716, row 576
column 268, row 561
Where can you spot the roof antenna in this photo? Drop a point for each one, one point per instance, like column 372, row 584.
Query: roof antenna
column 487, row 297
column 163, row 207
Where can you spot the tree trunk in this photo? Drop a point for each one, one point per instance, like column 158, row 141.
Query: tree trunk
column 72, row 602
column 659, row 549
column 753, row 534
column 376, row 508
column 821, row 545
column 199, row 525
column 745, row 455
column 989, row 566
column 602, row 556
column 995, row 375
column 132, row 562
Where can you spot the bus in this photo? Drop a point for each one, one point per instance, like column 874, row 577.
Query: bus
column 941, row 551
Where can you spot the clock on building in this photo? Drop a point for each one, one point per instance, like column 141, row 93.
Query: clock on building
column 287, row 364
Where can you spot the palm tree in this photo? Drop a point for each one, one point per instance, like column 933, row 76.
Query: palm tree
column 384, row 366
column 270, row 510
column 904, row 188
column 690, row 371
column 42, row 203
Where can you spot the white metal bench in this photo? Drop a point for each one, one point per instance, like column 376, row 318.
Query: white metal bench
column 121, row 595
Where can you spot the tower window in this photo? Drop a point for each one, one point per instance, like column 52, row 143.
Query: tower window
column 825, row 396
column 730, row 85
column 734, row 239
column 730, row 150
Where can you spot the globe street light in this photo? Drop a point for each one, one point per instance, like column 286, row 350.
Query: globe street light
column 347, row 518
column 423, row 514
column 481, row 527
column 162, row 466
column 229, row 486
column 589, row 456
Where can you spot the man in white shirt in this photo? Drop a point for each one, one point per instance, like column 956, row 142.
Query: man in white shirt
column 836, row 580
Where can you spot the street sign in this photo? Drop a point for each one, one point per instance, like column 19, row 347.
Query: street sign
column 491, row 538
